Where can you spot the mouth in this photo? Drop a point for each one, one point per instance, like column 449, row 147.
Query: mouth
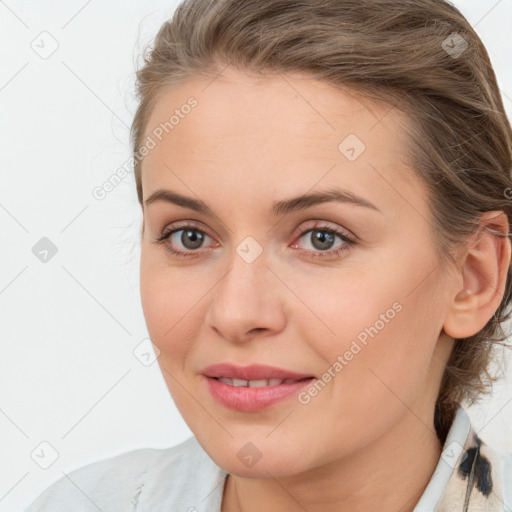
column 255, row 387
column 258, row 383
column 254, row 375
column 254, row 395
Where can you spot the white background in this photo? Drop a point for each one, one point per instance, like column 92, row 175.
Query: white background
column 68, row 374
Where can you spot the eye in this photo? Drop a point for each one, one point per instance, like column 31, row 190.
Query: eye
column 189, row 236
column 321, row 238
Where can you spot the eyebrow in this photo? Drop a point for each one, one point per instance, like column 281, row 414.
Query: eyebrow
column 283, row 207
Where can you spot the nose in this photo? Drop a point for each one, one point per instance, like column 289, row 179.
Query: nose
column 248, row 301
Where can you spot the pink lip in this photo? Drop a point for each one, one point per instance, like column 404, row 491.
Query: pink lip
column 252, row 399
column 251, row 372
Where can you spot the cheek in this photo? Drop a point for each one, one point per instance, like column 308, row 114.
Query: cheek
column 172, row 311
column 170, row 304
column 165, row 307
column 375, row 332
column 343, row 306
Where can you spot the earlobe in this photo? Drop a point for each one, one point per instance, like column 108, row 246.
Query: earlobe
column 484, row 271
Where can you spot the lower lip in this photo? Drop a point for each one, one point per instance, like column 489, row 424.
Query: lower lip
column 253, row 399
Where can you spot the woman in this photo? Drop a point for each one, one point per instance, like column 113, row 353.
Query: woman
column 325, row 261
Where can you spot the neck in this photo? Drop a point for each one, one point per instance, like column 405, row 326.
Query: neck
column 388, row 474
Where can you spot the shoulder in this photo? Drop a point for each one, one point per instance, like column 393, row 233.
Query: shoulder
column 143, row 479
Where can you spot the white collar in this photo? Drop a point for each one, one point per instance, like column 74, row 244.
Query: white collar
column 469, row 476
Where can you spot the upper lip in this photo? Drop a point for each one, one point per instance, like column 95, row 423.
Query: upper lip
column 251, row 372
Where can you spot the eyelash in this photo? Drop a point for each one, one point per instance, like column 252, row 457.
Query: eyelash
column 348, row 242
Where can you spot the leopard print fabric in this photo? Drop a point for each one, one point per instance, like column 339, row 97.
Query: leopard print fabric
column 475, row 484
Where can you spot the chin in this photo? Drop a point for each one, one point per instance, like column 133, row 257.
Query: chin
column 259, row 458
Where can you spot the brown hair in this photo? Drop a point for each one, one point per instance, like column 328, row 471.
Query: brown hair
column 403, row 53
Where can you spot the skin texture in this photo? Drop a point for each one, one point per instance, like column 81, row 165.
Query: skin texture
column 366, row 441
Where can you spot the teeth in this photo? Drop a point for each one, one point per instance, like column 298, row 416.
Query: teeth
column 254, row 383
column 257, row 383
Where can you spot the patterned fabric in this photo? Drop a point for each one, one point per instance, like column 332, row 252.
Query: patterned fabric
column 470, row 476
column 475, row 484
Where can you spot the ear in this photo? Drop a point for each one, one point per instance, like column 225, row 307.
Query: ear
column 482, row 277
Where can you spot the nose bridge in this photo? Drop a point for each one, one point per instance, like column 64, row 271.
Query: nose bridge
column 250, row 250
column 246, row 268
column 245, row 299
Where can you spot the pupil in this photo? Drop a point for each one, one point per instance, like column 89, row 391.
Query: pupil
column 193, row 236
column 322, row 236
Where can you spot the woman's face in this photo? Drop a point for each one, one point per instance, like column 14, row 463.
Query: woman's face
column 360, row 312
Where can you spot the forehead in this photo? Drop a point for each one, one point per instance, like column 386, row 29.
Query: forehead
column 241, row 102
column 267, row 129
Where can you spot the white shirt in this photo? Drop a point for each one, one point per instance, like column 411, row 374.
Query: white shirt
column 469, row 477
